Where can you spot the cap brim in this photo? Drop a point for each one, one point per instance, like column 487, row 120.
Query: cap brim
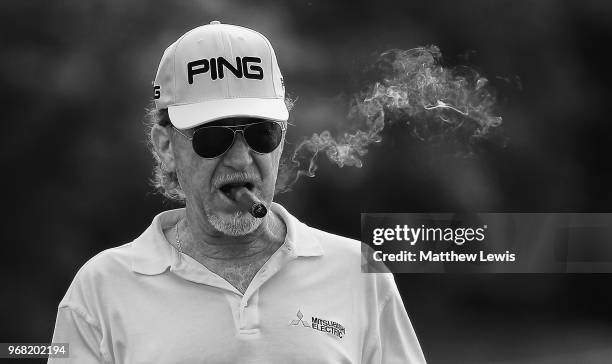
column 191, row 115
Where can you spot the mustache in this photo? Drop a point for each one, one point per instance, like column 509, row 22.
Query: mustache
column 237, row 177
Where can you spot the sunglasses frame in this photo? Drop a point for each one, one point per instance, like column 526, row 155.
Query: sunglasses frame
column 234, row 128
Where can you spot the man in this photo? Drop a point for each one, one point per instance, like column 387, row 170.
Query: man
column 212, row 283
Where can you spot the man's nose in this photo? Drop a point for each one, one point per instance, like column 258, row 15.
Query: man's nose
column 239, row 154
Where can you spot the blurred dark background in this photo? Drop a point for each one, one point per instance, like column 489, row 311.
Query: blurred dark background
column 76, row 77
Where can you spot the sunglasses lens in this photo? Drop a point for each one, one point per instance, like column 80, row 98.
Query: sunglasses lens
column 211, row 142
column 263, row 137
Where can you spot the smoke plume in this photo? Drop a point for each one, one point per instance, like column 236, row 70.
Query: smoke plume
column 436, row 104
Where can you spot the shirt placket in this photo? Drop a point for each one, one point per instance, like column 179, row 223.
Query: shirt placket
column 249, row 309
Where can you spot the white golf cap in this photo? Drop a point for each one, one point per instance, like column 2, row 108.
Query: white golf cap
column 219, row 71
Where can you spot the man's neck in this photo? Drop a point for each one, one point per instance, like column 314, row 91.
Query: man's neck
column 209, row 246
column 236, row 259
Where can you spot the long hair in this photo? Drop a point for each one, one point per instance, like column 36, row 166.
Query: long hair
column 163, row 180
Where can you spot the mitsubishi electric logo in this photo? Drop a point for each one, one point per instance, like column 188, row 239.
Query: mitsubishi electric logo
column 330, row 327
column 299, row 320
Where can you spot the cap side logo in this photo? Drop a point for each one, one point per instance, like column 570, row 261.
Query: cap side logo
column 245, row 67
column 156, row 92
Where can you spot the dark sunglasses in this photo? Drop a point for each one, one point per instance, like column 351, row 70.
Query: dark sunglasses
column 213, row 141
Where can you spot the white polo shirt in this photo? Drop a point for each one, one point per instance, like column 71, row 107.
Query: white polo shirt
column 144, row 302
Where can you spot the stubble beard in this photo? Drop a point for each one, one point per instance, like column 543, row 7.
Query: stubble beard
column 237, row 224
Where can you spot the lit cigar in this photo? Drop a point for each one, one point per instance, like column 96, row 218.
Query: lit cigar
column 249, row 202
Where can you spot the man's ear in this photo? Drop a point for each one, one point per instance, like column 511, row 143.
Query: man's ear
column 162, row 142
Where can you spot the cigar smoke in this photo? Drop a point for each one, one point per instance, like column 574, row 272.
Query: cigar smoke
column 436, row 104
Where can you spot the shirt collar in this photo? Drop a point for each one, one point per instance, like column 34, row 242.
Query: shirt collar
column 152, row 254
column 300, row 237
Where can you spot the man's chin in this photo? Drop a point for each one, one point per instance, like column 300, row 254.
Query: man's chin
column 238, row 223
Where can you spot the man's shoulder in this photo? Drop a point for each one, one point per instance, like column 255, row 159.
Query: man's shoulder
column 333, row 243
column 314, row 241
column 112, row 260
column 346, row 255
column 101, row 270
column 149, row 253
